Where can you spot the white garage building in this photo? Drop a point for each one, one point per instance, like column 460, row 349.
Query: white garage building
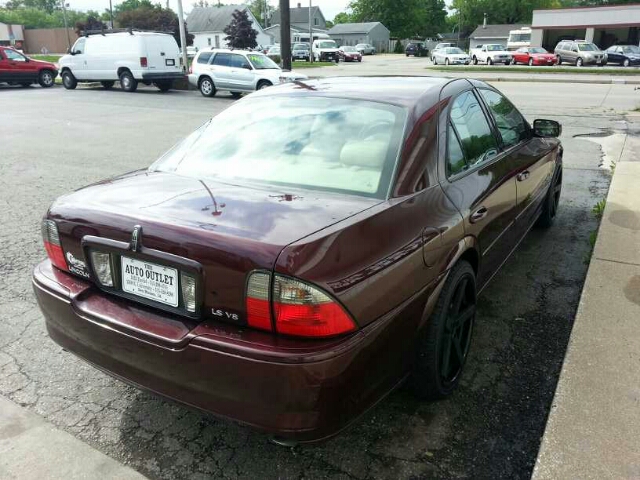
column 604, row 26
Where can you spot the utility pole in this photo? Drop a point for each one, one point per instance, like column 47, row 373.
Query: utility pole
column 183, row 37
column 66, row 27
column 310, row 36
column 111, row 12
column 285, row 34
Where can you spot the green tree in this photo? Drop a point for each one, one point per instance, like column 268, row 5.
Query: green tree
column 414, row 19
column 342, row 17
column 260, row 9
column 48, row 6
column 499, row 11
column 128, row 5
column 36, row 18
column 151, row 17
column 240, row 32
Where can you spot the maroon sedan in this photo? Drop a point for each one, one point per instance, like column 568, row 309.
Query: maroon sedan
column 350, row 54
column 533, row 56
column 18, row 69
column 303, row 253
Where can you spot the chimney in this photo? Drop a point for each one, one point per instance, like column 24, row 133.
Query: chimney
column 484, row 24
column 299, row 5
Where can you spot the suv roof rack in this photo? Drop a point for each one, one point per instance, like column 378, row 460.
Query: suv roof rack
column 130, row 30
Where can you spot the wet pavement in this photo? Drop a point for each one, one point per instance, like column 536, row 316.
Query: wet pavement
column 490, row 428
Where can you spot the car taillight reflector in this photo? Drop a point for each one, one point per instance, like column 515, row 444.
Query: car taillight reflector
column 258, row 308
column 303, row 310
column 52, row 244
column 143, row 62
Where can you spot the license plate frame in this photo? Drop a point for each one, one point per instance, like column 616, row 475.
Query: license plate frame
column 170, row 62
column 150, row 281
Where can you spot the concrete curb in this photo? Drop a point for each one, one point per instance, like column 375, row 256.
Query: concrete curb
column 593, row 424
column 32, row 448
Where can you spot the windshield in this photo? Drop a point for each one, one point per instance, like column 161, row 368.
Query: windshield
column 349, row 49
column 454, row 51
column 262, row 62
column 587, row 47
column 301, row 46
column 537, row 50
column 318, row 143
column 327, row 44
column 494, row 48
column 630, row 49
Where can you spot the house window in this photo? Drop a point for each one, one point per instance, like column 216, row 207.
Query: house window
column 209, row 41
column 315, row 21
column 217, row 41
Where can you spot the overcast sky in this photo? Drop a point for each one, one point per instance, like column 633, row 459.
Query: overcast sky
column 329, row 7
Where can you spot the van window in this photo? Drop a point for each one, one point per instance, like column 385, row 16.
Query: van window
column 221, row 59
column 78, row 47
column 205, row 57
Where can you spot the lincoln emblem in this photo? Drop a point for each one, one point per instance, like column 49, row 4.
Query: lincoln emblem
column 136, row 238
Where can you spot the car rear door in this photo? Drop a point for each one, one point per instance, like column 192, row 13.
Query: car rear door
column 529, row 157
column 477, row 177
column 5, row 67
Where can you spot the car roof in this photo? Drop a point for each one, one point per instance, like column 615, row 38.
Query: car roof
column 228, row 50
column 403, row 91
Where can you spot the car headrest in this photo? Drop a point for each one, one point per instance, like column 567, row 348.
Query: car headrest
column 364, row 153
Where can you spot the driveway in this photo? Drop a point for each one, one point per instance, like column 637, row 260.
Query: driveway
column 54, row 141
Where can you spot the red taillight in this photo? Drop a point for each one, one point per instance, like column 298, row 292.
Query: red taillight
column 299, row 308
column 52, row 244
column 143, row 62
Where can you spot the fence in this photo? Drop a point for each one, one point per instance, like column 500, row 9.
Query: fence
column 48, row 40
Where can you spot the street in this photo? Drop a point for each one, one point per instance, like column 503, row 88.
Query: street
column 53, row 141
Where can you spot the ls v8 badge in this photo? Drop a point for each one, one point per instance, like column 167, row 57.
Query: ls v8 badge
column 77, row 266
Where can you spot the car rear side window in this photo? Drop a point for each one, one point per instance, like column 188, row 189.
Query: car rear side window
column 221, row 59
column 513, row 128
column 470, row 123
column 205, row 57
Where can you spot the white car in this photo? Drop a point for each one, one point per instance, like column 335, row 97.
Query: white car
column 236, row 71
column 490, row 54
column 366, row 49
column 451, row 56
column 130, row 57
column 439, row 46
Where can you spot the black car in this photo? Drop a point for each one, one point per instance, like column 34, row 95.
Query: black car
column 625, row 55
column 416, row 49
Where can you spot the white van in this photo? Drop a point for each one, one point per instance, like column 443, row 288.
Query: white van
column 130, row 57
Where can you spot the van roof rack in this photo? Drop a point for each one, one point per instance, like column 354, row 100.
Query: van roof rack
column 130, row 30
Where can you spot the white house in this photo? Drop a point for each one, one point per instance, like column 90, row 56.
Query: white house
column 207, row 25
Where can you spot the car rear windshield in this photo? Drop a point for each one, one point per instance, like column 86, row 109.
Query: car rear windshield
column 587, row 47
column 318, row 143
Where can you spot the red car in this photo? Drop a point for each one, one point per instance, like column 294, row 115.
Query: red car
column 290, row 278
column 18, row 69
column 533, row 56
column 349, row 54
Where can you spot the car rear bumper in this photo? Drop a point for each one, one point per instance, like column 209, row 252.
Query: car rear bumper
column 303, row 391
column 157, row 76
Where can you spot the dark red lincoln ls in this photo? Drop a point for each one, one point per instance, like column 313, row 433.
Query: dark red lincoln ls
column 304, row 252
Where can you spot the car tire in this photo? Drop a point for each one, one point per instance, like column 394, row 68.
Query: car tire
column 551, row 202
column 446, row 61
column 475, row 60
column 207, row 87
column 68, row 80
column 507, row 63
column 263, row 84
column 531, row 62
column 435, row 62
column 489, row 61
column 164, row 86
column 236, row 95
column 579, row 62
column 360, row 59
column 127, row 82
column 46, row 79
column 407, row 55
column 108, row 85
column 626, row 62
column 559, row 62
column 443, row 343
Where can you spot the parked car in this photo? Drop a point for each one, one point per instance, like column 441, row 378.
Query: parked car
column 625, row 55
column 236, row 71
column 451, row 56
column 580, row 53
column 439, row 46
column 18, row 69
column 300, row 51
column 191, row 52
column 366, row 49
column 325, row 51
column 274, row 52
column 533, row 56
column 416, row 49
column 490, row 54
column 294, row 259
column 349, row 54
column 130, row 57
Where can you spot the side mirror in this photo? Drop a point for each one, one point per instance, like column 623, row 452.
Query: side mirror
column 247, row 67
column 546, row 128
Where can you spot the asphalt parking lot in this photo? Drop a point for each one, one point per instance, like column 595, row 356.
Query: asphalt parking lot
column 54, row 140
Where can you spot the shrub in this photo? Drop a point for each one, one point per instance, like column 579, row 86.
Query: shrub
column 398, row 48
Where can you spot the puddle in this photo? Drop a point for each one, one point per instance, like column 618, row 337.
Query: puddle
column 612, row 145
column 632, row 290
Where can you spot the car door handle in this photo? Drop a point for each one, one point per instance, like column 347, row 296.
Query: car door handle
column 478, row 215
column 523, row 176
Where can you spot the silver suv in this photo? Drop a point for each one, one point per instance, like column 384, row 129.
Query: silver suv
column 580, row 53
column 236, row 71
